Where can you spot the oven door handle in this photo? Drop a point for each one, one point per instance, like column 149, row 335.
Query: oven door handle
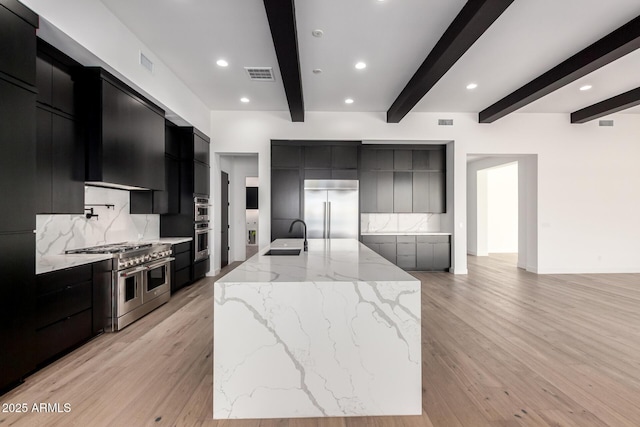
column 131, row 273
column 160, row 263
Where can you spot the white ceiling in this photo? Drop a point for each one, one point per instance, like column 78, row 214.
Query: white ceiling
column 393, row 37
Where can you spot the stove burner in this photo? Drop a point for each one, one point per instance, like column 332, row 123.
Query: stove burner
column 111, row 248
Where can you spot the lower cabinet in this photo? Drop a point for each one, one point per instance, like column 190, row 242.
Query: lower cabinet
column 181, row 270
column 71, row 307
column 419, row 253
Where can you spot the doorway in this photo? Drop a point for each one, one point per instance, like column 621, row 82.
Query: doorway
column 224, row 219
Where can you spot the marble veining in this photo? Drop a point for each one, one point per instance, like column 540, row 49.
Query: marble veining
column 399, row 223
column 322, row 343
column 58, row 233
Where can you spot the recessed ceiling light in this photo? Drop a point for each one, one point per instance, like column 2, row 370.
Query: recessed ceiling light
column 348, row 101
column 472, row 86
column 244, row 99
column 222, row 63
column 585, row 87
column 317, row 70
column 317, row 33
column 361, row 65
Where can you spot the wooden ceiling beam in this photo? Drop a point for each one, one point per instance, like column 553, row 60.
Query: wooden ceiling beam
column 282, row 22
column 608, row 106
column 473, row 20
column 611, row 47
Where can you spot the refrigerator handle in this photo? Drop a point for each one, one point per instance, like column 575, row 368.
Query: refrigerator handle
column 329, row 220
column 324, row 221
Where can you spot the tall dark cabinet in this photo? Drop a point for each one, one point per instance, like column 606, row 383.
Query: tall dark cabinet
column 188, row 175
column 17, row 189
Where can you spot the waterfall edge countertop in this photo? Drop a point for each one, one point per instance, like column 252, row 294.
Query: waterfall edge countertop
column 334, row 331
column 331, row 260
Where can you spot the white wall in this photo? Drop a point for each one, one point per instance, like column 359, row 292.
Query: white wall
column 238, row 168
column 88, row 32
column 502, row 209
column 587, row 205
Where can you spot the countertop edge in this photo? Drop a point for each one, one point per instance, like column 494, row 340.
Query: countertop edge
column 51, row 263
column 408, row 233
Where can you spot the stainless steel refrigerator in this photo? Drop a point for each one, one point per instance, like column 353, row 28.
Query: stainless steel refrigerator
column 331, row 208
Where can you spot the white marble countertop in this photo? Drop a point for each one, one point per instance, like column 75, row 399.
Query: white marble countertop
column 404, row 233
column 332, row 260
column 48, row 263
column 172, row 240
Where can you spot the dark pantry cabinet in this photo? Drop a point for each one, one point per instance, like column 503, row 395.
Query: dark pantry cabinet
column 17, row 190
column 124, row 132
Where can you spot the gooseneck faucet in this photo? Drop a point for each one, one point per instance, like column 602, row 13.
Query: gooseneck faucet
column 306, row 245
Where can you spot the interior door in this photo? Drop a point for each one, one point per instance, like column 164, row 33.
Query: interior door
column 224, row 220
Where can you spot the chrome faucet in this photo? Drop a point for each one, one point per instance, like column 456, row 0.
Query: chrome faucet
column 306, row 245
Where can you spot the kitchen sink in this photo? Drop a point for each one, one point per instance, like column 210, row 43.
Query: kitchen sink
column 290, row 252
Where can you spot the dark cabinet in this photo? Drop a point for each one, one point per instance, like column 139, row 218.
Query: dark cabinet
column 101, row 295
column 60, row 164
column 124, row 133
column 64, row 308
column 200, row 148
column 200, row 178
column 416, row 177
column 382, row 245
column 54, row 80
column 285, row 192
column 286, row 156
column 17, row 157
column 344, row 157
column 181, row 271
column 17, row 306
column 402, row 192
column 317, row 157
column 18, row 41
column 433, row 253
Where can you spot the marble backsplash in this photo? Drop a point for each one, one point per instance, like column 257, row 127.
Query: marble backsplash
column 405, row 223
column 57, row 233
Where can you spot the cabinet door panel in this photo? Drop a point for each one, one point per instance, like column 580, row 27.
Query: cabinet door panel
column 44, row 78
column 436, row 160
column 424, row 256
column 285, row 193
column 283, row 156
column 101, row 295
column 406, row 248
column 317, row 174
column 43, row 160
column 384, row 159
column 62, row 96
column 368, row 192
column 17, row 305
column 420, row 160
column 402, row 160
column 437, row 192
column 200, row 149
column 420, row 192
column 63, row 335
column 385, row 192
column 67, row 175
column 18, row 47
column 317, row 157
column 344, row 174
column 369, row 159
column 441, row 256
column 280, row 229
column 172, row 185
column 388, row 251
column 200, row 178
column 344, row 157
column 17, row 157
column 407, row 262
column 65, row 302
column 402, row 192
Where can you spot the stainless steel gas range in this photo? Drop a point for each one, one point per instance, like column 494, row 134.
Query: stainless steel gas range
column 140, row 279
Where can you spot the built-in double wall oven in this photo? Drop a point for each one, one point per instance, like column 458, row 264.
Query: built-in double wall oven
column 201, row 228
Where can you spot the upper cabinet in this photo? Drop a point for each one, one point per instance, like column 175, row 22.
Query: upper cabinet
column 124, row 133
column 60, row 161
column 18, row 41
column 403, row 179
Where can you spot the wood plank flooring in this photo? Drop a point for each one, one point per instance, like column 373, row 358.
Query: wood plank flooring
column 501, row 347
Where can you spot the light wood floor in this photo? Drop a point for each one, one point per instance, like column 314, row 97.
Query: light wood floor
column 501, row 347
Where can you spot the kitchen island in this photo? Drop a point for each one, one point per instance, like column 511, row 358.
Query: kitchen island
column 334, row 331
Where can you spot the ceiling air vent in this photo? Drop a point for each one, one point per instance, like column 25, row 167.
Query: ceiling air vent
column 605, row 123
column 146, row 62
column 261, row 74
column 445, row 122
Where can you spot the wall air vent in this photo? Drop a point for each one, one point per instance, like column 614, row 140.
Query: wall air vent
column 146, row 62
column 605, row 123
column 445, row 122
column 261, row 74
